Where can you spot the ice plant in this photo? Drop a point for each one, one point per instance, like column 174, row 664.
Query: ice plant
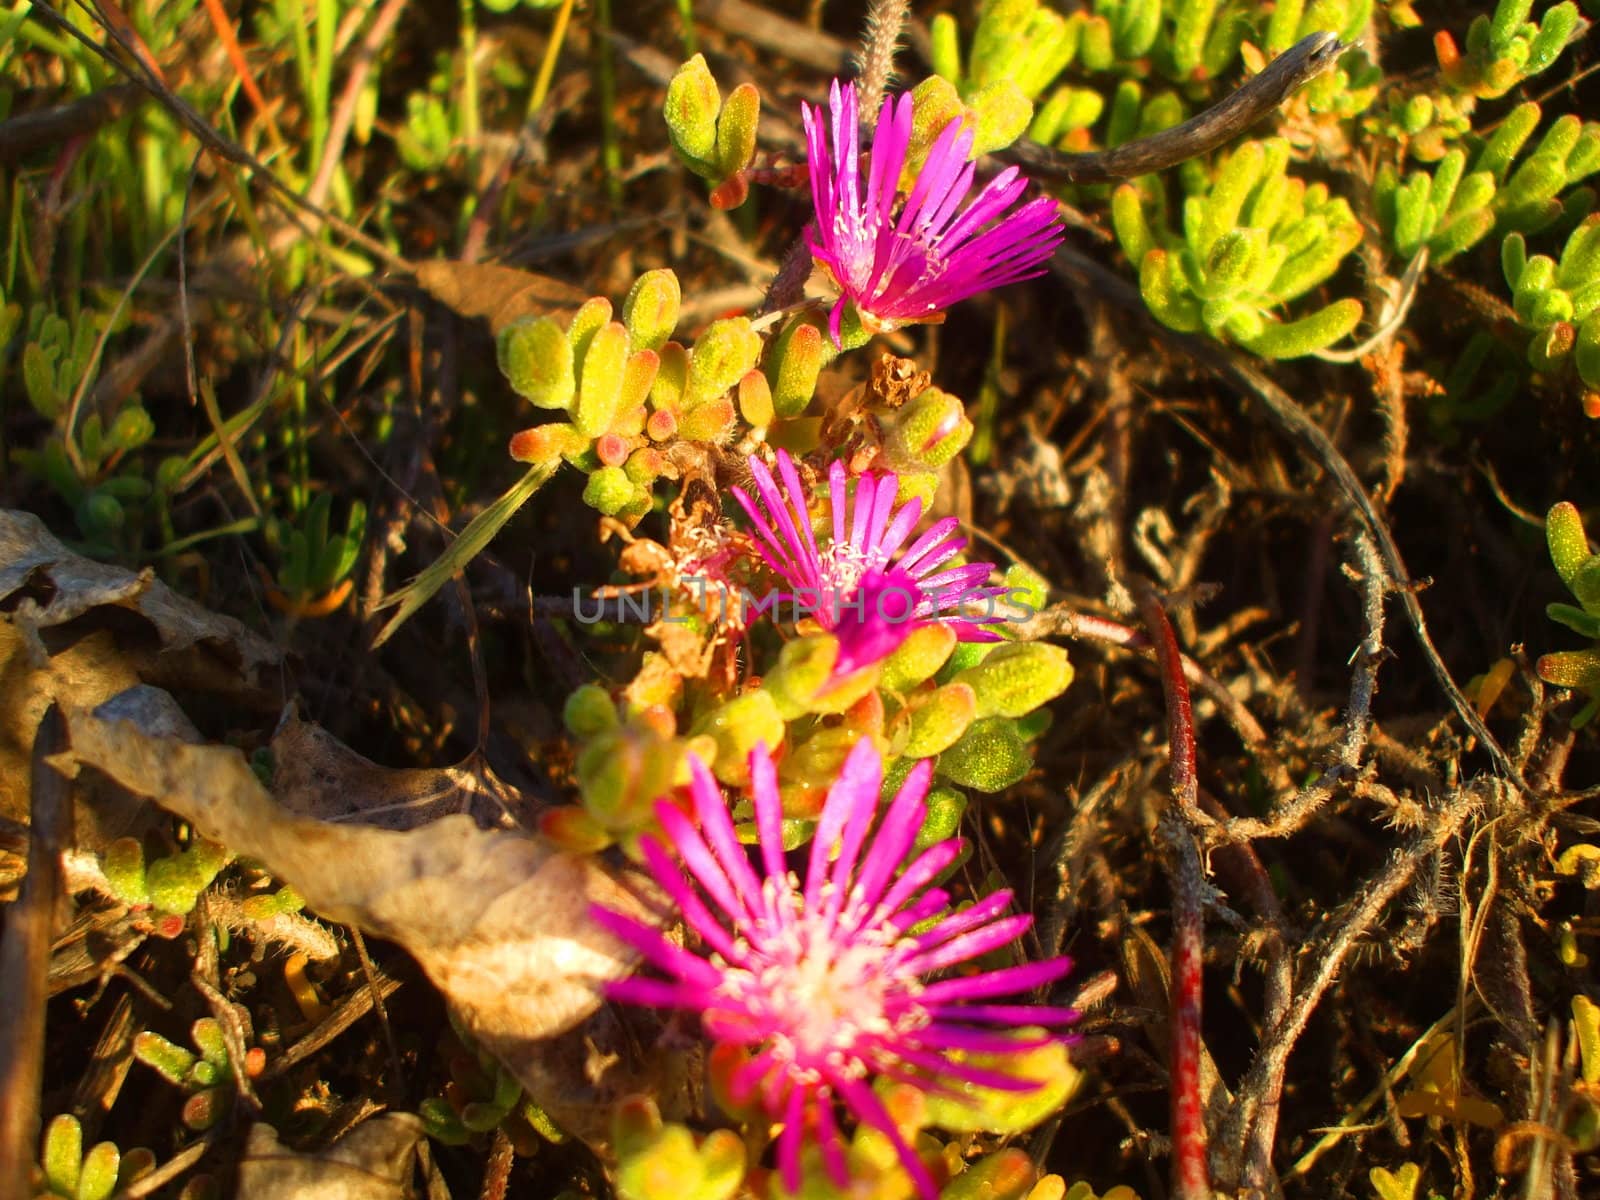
column 837, row 980
column 854, row 586
column 910, row 267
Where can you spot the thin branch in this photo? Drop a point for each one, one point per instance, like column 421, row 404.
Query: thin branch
column 1200, row 134
column 1292, row 421
column 1323, row 959
column 25, row 959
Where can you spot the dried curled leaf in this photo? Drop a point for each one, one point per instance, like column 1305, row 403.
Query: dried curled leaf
column 500, row 295
column 374, row 1161
column 316, row 775
column 498, row 920
column 44, row 585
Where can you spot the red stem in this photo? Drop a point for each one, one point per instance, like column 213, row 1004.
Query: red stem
column 1191, row 1178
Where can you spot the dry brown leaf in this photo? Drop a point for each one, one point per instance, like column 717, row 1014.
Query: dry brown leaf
column 316, row 775
column 87, row 672
column 44, row 585
column 498, row 920
column 501, row 295
column 374, row 1161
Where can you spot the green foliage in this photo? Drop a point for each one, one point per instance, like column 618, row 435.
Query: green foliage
column 1448, row 212
column 660, row 1161
column 313, row 560
column 1529, row 198
column 794, row 362
column 651, row 310
column 1507, row 48
column 967, row 1107
column 481, row 1097
column 1559, row 301
column 990, row 757
column 715, row 139
column 207, row 1073
column 70, row 1174
column 170, row 884
column 1017, row 678
column 1254, row 238
column 90, row 460
column 736, row 727
column 536, row 359
column 926, row 433
column 1580, row 571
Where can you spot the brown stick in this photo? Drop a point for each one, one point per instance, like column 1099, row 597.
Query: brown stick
column 55, row 126
column 25, row 959
column 1200, row 134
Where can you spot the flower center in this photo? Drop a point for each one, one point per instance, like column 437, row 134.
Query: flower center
column 817, row 998
column 842, row 568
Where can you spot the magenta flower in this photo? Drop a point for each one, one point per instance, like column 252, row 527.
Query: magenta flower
column 826, row 984
column 899, row 270
column 854, row 586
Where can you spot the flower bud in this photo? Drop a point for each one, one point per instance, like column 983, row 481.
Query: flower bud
column 794, row 363
column 600, row 389
column 737, row 726
column 1017, row 678
column 611, row 449
column 938, row 721
column 918, row 657
column 609, row 490
column 691, row 114
column 990, row 756
column 720, row 358
column 536, row 359
column 651, row 310
column 589, row 711
column 927, row 433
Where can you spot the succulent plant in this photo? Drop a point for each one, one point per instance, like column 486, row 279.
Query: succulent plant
column 205, row 1073
column 1254, row 239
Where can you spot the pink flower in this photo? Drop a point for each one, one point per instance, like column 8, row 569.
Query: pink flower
column 854, row 586
column 826, row 984
column 899, row 270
